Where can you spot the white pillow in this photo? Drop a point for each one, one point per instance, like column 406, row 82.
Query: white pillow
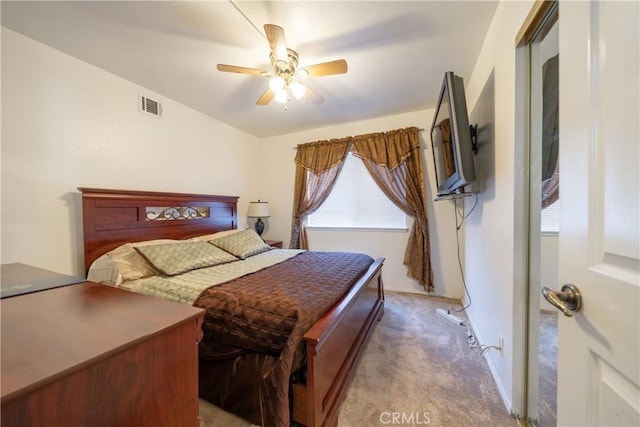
column 104, row 270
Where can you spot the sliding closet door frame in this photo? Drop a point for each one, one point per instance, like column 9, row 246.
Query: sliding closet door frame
column 541, row 18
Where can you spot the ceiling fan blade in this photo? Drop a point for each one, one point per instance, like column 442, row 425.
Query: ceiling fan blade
column 266, row 97
column 338, row 66
column 275, row 35
column 311, row 96
column 241, row 70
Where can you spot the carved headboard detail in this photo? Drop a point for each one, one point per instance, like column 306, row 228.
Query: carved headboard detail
column 114, row 217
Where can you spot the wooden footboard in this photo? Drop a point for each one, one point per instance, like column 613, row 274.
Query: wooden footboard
column 334, row 347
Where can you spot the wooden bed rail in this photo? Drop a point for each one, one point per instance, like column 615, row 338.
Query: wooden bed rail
column 335, row 345
column 322, row 329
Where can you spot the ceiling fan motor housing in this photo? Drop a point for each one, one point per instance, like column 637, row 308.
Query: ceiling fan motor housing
column 285, row 69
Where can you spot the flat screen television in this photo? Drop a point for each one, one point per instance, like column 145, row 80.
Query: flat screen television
column 452, row 140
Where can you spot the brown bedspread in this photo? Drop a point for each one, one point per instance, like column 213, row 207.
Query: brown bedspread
column 268, row 312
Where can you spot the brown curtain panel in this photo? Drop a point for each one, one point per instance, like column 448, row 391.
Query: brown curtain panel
column 393, row 160
column 550, row 190
column 318, row 164
column 447, row 147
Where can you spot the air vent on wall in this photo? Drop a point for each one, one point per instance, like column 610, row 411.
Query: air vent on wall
column 150, row 106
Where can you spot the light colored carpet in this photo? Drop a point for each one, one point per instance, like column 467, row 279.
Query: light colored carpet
column 417, row 370
column 547, row 374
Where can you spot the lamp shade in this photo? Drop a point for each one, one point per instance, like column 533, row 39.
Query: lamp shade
column 276, row 84
column 258, row 210
column 282, row 96
column 297, row 89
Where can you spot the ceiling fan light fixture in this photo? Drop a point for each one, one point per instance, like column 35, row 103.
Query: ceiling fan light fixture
column 276, row 84
column 297, row 89
column 282, row 96
column 286, row 73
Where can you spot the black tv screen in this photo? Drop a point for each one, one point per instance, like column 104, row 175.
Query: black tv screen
column 451, row 140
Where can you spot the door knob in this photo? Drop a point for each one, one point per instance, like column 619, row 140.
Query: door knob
column 567, row 300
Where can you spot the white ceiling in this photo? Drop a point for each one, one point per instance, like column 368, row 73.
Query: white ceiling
column 397, row 51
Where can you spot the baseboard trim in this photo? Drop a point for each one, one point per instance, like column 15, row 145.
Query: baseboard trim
column 496, row 378
column 494, row 372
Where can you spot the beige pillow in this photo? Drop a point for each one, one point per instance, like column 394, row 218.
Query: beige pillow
column 243, row 244
column 173, row 259
column 129, row 262
column 217, row 235
column 104, row 270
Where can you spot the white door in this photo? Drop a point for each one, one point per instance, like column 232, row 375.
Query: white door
column 598, row 350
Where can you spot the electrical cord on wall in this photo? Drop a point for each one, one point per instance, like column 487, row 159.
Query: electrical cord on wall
column 471, row 338
column 462, row 216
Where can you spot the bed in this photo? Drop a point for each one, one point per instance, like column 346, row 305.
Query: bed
column 298, row 367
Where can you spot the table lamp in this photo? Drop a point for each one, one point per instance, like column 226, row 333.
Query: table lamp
column 258, row 210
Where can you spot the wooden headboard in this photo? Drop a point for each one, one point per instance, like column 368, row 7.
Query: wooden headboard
column 114, row 217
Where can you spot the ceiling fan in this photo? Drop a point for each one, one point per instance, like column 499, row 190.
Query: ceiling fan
column 287, row 76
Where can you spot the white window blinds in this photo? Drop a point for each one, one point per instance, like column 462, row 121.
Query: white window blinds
column 356, row 201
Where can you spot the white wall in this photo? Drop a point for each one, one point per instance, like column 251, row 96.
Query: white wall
column 278, row 154
column 490, row 238
column 67, row 124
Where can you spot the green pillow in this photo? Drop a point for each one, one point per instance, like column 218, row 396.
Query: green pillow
column 177, row 258
column 243, row 244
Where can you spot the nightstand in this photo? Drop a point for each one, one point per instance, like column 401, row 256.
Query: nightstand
column 274, row 243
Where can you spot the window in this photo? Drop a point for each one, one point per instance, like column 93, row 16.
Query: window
column 356, row 201
column 550, row 218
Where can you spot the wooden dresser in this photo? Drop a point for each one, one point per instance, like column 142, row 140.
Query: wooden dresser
column 93, row 355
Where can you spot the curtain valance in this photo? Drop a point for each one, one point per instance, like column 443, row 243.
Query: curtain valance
column 387, row 149
column 320, row 156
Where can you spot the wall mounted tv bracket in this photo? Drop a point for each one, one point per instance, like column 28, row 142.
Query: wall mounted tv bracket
column 474, row 138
